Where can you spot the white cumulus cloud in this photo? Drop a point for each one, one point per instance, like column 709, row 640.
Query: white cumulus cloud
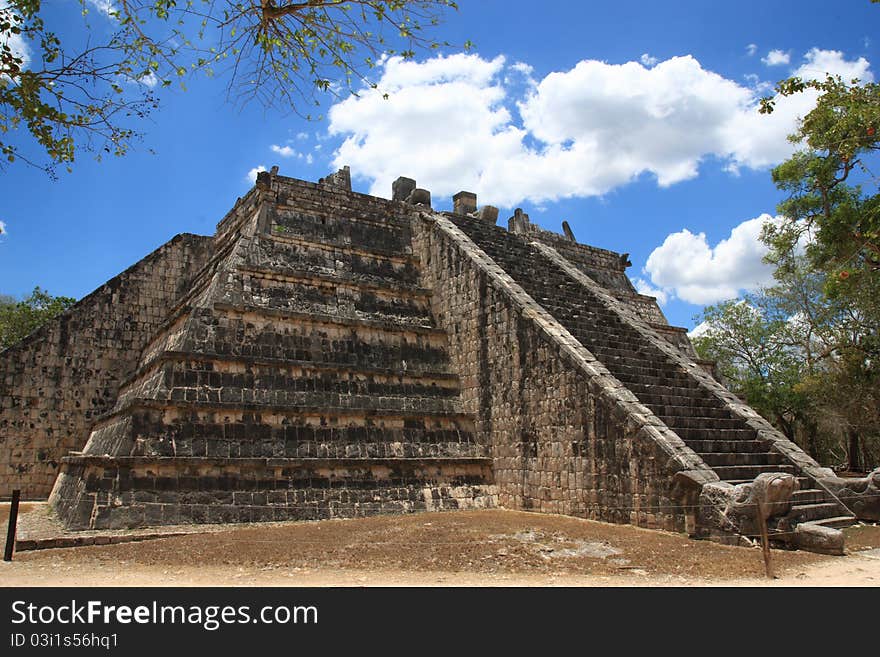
column 648, row 60
column 443, row 123
column 644, row 287
column 455, row 123
column 288, row 152
column 687, row 267
column 699, row 330
column 777, row 58
column 522, row 67
column 106, row 7
column 751, row 49
column 817, row 63
column 150, row 80
column 283, row 151
column 251, row 176
column 760, row 140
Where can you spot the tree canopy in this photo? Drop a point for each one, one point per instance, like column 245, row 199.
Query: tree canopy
column 805, row 351
column 20, row 318
column 91, row 96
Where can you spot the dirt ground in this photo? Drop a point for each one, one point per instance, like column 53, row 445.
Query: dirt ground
column 473, row 548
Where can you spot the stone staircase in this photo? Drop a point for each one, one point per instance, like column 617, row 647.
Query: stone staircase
column 721, row 439
column 304, row 378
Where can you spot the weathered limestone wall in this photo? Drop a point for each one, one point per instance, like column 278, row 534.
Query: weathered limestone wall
column 566, row 437
column 58, row 380
column 113, row 493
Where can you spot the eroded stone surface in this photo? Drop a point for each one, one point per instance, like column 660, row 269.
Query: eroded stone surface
column 860, row 495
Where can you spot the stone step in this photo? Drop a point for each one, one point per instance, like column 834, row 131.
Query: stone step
column 646, row 353
column 319, row 226
column 836, row 522
column 326, row 405
column 292, row 399
column 205, row 430
column 422, row 378
column 694, row 395
column 680, row 386
column 327, row 298
column 293, row 255
column 727, row 446
column 691, row 410
column 749, row 472
column 594, row 326
column 815, row 511
column 671, row 375
column 809, row 496
column 804, row 482
column 580, row 310
column 284, row 247
column 685, row 385
column 743, row 458
column 156, row 491
column 338, row 280
column 234, row 331
column 278, row 383
column 689, row 435
column 634, row 364
column 676, row 422
column 628, row 355
column 659, row 401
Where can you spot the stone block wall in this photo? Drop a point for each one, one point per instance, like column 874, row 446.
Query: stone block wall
column 58, row 380
column 565, row 436
column 110, row 493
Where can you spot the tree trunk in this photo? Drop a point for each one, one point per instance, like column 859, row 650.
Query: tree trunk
column 854, row 452
column 810, row 429
column 785, row 427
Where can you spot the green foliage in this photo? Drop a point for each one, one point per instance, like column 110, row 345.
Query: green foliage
column 798, row 356
column 18, row 319
column 283, row 53
column 805, row 351
column 832, row 192
column 754, row 346
column 286, row 51
column 67, row 101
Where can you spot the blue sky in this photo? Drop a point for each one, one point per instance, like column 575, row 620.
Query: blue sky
column 634, row 121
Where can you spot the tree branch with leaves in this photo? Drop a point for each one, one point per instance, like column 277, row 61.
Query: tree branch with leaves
column 286, row 55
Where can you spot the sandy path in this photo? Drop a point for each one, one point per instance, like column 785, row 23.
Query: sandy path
column 479, row 548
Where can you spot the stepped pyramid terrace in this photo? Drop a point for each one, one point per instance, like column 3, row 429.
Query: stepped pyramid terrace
column 332, row 354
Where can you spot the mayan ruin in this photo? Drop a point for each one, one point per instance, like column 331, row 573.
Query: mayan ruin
column 331, row 354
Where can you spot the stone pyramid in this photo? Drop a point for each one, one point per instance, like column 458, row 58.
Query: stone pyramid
column 302, row 377
column 333, row 354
